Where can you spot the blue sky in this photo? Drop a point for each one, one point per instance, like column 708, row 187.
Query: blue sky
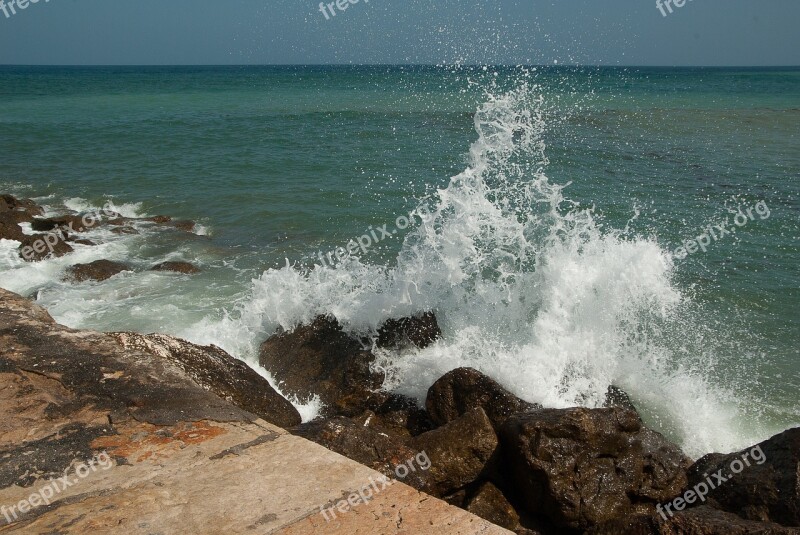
column 596, row 32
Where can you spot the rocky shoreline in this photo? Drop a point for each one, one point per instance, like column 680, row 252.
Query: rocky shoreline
column 68, row 395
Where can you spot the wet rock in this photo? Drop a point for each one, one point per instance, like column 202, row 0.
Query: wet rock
column 159, row 219
column 703, row 520
column 582, row 467
column 360, row 442
column 176, row 267
column 421, row 331
column 9, row 203
column 464, row 389
column 767, row 485
column 321, row 359
column 186, row 226
column 81, row 241
column 460, row 452
column 616, row 397
column 217, row 371
column 37, row 247
column 399, row 416
column 490, row 504
column 99, row 270
column 124, row 230
column 10, row 230
column 75, row 223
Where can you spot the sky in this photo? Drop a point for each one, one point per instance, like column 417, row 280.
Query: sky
column 511, row 32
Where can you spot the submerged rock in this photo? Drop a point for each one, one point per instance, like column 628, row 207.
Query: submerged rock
column 464, row 389
column 99, row 270
column 176, row 267
column 37, row 247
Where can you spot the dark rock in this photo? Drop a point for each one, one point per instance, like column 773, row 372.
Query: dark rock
column 321, row 359
column 616, row 397
column 43, row 225
column 118, row 221
column 160, row 219
column 582, row 467
column 400, row 416
column 99, row 270
column 702, row 520
column 460, row 452
column 420, row 331
column 767, row 487
column 10, row 230
column 124, row 230
column 364, row 444
column 37, row 247
column 464, row 389
column 177, row 267
column 13, row 204
column 187, row 226
column 490, row 504
column 217, row 371
column 81, row 241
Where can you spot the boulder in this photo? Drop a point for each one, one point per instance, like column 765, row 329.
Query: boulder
column 72, row 222
column 464, row 389
column 9, row 203
column 399, row 416
column 36, row 247
column 421, row 330
column 124, row 230
column 460, row 452
column 762, row 483
column 362, row 443
column 99, row 270
column 176, row 267
column 583, row 467
column 321, row 359
column 159, row 219
column 217, row 371
column 703, row 520
column 10, row 230
column 490, row 503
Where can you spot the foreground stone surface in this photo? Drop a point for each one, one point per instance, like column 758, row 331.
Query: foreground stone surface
column 184, row 459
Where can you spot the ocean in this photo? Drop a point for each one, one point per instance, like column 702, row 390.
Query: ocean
column 572, row 228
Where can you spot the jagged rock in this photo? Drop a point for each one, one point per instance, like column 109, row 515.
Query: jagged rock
column 767, row 485
column 74, row 222
column 37, row 247
column 421, row 331
column 99, row 270
column 616, row 397
column 490, row 504
column 460, row 451
column 464, row 389
column 582, row 467
column 176, row 267
column 159, row 219
column 321, row 359
column 217, row 371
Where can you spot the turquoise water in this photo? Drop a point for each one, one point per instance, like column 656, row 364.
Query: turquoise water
column 557, row 292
